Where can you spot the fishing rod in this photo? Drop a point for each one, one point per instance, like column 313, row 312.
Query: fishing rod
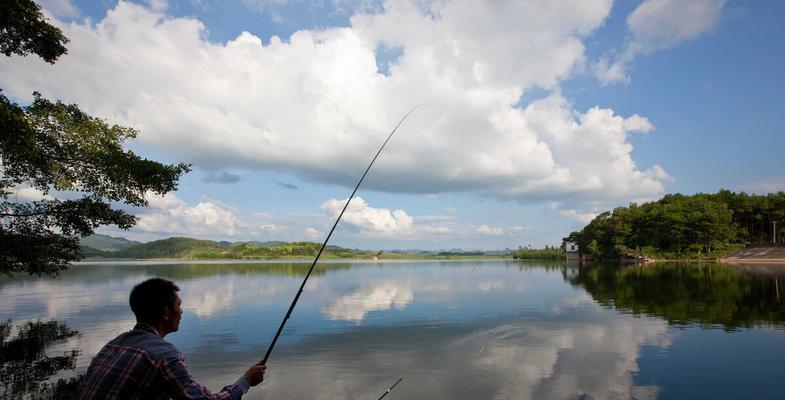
column 391, row 387
column 321, row 249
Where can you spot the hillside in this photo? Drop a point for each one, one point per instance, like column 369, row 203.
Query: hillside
column 191, row 249
column 107, row 243
column 181, row 248
column 176, row 247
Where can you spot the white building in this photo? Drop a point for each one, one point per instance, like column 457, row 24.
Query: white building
column 573, row 253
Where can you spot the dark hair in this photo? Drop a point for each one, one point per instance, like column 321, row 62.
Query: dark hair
column 149, row 298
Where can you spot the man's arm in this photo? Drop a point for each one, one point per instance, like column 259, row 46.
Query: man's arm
column 183, row 386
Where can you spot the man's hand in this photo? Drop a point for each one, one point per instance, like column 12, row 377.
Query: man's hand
column 255, row 374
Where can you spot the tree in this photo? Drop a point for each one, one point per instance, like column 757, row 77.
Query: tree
column 24, row 30
column 57, row 148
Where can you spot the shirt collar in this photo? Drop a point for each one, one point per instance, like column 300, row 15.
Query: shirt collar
column 146, row 327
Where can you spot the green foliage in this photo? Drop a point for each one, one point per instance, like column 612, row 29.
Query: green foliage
column 53, row 146
column 548, row 253
column 460, row 253
column 25, row 365
column 24, row 30
column 683, row 227
column 56, row 147
column 177, row 247
column 193, row 249
column 593, row 248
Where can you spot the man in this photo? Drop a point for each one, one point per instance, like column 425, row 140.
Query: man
column 140, row 364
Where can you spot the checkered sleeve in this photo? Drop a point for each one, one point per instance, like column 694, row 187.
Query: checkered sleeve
column 183, row 386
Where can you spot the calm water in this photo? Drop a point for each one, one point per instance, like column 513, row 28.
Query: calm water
column 457, row 330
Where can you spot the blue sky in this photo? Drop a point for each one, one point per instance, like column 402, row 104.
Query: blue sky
column 541, row 114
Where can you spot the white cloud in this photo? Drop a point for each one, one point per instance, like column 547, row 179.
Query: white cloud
column 312, row 233
column 26, row 194
column 657, row 25
column 207, row 219
column 608, row 73
column 595, row 158
column 158, row 5
column 317, row 106
column 433, row 230
column 370, row 221
column 60, row 8
column 434, row 218
column 584, row 217
column 167, row 201
column 488, row 230
column 665, row 23
column 272, row 229
column 347, row 7
column 636, row 123
column 170, row 215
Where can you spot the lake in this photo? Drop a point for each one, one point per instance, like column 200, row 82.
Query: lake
column 455, row 329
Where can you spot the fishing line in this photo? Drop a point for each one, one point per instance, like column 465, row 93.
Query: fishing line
column 321, row 249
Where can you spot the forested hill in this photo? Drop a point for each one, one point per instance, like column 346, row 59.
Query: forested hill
column 192, row 249
column 107, row 243
column 679, row 226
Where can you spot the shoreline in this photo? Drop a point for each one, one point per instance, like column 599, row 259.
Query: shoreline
column 278, row 261
column 752, row 261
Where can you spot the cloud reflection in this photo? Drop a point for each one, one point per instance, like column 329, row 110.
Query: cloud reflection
column 563, row 359
column 492, row 332
column 596, row 359
column 356, row 305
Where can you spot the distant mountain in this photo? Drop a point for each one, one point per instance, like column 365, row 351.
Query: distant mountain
column 176, row 247
column 193, row 249
column 182, row 248
column 107, row 243
column 455, row 251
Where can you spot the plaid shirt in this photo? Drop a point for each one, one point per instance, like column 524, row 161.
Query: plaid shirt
column 140, row 364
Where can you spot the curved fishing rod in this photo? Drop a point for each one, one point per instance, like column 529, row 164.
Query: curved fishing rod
column 300, row 291
column 392, row 387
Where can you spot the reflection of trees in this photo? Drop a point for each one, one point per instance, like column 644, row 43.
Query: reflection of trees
column 189, row 271
column 25, row 366
column 548, row 265
column 106, row 272
column 710, row 294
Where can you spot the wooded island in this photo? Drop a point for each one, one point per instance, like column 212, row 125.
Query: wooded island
column 685, row 227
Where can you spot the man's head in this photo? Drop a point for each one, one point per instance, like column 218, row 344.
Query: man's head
column 155, row 302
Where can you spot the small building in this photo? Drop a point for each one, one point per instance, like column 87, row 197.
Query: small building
column 572, row 251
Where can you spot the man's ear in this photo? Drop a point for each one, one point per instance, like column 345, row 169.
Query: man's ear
column 166, row 314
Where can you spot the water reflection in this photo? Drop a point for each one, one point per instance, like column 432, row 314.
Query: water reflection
column 536, row 358
column 459, row 330
column 685, row 294
column 26, row 370
column 356, row 305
